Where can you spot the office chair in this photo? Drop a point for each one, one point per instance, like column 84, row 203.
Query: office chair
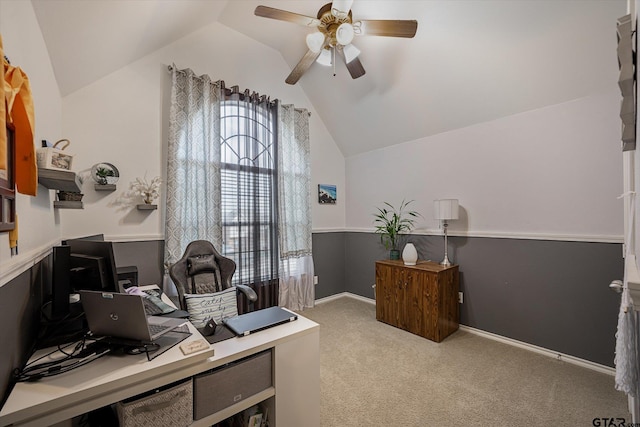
column 203, row 270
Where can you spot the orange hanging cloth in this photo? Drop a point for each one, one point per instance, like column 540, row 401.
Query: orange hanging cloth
column 20, row 112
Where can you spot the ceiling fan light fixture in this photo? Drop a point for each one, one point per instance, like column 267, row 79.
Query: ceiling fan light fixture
column 344, row 34
column 341, row 8
column 315, row 41
column 350, row 53
column 325, row 58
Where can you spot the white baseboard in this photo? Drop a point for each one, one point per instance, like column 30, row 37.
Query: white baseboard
column 541, row 350
column 345, row 295
column 520, row 344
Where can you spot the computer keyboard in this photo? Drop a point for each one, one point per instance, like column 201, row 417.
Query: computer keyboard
column 150, row 308
column 153, row 304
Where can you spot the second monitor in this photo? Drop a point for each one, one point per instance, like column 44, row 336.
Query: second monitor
column 93, row 265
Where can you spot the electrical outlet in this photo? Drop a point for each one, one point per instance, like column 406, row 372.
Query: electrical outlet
column 315, row 280
column 460, row 297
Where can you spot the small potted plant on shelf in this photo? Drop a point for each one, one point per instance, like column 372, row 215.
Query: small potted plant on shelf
column 102, row 173
column 391, row 222
column 149, row 190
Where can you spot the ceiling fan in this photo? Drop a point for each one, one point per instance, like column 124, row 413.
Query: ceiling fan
column 336, row 30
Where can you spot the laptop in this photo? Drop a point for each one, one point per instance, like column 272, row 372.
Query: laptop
column 258, row 320
column 123, row 316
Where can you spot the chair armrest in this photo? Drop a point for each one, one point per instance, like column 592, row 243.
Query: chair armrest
column 249, row 293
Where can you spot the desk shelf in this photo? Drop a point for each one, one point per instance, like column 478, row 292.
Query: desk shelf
column 265, row 397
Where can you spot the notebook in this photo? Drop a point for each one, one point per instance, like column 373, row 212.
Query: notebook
column 254, row 321
column 123, row 316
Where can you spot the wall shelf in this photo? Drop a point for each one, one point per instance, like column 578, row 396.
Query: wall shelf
column 67, row 204
column 145, row 207
column 105, row 187
column 59, row 180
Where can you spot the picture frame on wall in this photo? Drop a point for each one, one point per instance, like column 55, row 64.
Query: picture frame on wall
column 327, row 194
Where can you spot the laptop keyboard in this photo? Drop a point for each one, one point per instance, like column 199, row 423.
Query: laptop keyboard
column 156, row 329
column 150, row 308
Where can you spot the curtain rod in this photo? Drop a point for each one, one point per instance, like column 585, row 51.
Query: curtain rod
column 228, row 91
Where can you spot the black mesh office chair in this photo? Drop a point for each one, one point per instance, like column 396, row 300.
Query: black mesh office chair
column 203, row 270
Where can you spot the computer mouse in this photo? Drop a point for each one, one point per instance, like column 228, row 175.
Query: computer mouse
column 209, row 328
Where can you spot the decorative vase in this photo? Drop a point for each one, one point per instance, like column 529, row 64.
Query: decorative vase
column 409, row 254
column 394, row 254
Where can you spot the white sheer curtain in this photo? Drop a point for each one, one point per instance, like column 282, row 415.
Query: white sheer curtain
column 193, row 168
column 296, row 289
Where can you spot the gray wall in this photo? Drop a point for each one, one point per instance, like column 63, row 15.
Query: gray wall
column 329, row 263
column 20, row 315
column 552, row 294
column 147, row 256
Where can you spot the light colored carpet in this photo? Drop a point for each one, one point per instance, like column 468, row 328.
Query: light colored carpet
column 373, row 374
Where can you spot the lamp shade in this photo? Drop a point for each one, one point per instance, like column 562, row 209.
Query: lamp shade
column 446, row 209
column 315, row 41
column 345, row 33
column 341, row 8
column 325, row 58
column 350, row 53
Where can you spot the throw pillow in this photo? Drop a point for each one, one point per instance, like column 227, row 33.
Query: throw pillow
column 218, row 305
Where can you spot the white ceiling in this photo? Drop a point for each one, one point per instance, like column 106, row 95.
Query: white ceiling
column 471, row 60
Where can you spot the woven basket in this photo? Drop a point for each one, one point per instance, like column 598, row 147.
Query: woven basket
column 69, row 196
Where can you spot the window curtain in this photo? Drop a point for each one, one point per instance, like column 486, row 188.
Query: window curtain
column 193, row 163
column 249, row 191
column 239, row 176
column 296, row 288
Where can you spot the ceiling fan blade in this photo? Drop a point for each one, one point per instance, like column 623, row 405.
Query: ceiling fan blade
column 307, row 60
column 355, row 68
column 283, row 15
column 388, row 28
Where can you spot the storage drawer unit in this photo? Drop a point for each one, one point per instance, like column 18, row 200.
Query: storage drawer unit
column 220, row 388
column 167, row 407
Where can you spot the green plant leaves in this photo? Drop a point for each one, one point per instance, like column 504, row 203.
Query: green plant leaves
column 391, row 222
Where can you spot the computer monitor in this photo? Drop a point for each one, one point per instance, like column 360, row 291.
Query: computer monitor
column 92, row 265
column 99, row 237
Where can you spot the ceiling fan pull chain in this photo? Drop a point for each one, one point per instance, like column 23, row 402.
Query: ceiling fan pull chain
column 334, row 61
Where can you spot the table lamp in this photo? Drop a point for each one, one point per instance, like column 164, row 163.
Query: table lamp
column 445, row 210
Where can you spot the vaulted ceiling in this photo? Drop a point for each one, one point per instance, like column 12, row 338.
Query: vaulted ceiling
column 471, row 61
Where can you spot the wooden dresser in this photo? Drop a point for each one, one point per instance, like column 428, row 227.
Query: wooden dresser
column 421, row 299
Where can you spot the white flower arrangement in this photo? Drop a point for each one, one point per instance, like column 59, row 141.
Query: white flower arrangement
column 148, row 190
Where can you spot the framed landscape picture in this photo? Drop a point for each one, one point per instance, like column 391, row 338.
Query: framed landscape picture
column 327, row 194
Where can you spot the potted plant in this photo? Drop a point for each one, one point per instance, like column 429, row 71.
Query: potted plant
column 390, row 222
column 102, row 173
column 149, row 190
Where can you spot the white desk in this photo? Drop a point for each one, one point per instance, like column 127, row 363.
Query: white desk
column 295, row 397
